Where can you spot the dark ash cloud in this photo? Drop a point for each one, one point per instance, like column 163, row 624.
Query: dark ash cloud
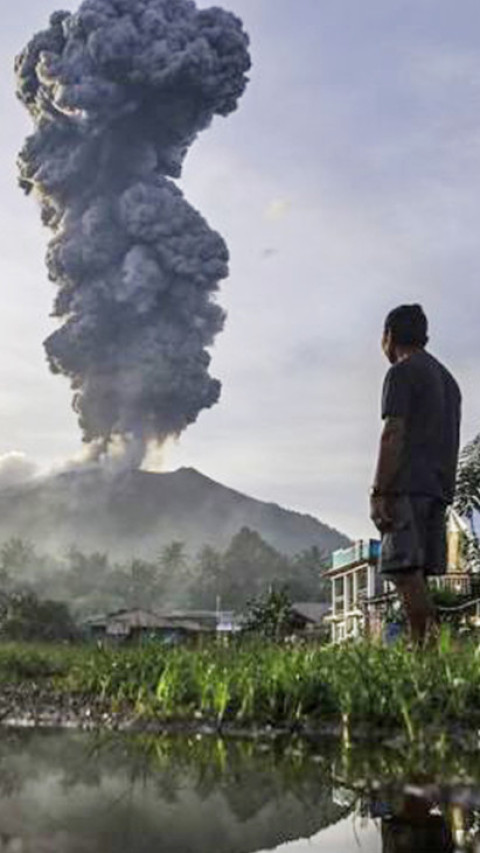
column 118, row 92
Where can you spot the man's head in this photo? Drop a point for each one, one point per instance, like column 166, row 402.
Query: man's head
column 405, row 331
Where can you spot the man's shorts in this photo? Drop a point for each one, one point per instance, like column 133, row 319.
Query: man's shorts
column 418, row 537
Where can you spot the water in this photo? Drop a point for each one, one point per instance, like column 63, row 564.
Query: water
column 70, row 792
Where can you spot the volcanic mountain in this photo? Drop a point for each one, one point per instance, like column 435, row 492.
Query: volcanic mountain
column 138, row 512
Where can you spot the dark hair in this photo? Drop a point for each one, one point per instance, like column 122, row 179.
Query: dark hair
column 408, row 325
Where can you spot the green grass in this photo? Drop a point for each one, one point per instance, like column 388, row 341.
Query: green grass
column 20, row 662
column 266, row 684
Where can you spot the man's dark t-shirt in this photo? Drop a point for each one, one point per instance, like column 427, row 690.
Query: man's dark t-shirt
column 423, row 392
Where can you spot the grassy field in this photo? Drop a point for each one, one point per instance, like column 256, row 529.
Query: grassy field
column 265, row 684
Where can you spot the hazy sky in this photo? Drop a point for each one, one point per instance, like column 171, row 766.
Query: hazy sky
column 347, row 182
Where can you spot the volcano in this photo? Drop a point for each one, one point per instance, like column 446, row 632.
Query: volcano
column 136, row 513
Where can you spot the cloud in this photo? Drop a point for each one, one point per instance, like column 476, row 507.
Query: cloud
column 15, row 469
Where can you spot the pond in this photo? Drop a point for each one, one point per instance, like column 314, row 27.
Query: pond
column 70, row 792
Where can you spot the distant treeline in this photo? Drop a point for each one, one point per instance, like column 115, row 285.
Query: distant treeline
column 92, row 583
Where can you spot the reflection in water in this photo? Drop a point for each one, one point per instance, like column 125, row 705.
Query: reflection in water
column 72, row 792
column 409, row 825
column 425, row 820
column 67, row 792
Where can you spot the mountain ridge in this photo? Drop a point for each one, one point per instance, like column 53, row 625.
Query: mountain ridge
column 135, row 513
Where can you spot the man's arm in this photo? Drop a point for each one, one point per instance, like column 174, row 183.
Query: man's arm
column 390, row 454
column 389, row 460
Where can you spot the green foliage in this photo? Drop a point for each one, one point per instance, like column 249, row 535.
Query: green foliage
column 207, row 582
column 271, row 615
column 448, row 597
column 143, row 583
column 85, row 570
column 20, row 662
column 467, row 497
column 16, row 555
column 16, row 559
column 246, row 570
column 305, row 580
column 250, row 566
column 173, row 558
column 26, row 617
column 253, row 682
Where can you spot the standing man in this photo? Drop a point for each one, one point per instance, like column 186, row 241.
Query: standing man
column 417, row 463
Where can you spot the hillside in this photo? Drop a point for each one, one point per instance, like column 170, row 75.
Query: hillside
column 138, row 512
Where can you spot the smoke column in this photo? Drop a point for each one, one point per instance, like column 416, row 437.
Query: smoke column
column 118, row 92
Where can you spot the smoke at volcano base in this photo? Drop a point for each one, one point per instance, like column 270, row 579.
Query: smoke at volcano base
column 118, row 91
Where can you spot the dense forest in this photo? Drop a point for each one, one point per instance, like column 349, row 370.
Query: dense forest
column 93, row 583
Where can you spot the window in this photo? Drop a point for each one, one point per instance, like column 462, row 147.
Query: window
column 350, row 592
column 362, row 581
column 338, row 600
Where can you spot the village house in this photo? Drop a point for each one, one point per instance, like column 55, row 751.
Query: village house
column 171, row 626
column 354, row 581
column 309, row 617
column 360, row 596
column 138, row 624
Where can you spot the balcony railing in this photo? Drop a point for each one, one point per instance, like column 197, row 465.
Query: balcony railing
column 367, row 550
column 455, row 582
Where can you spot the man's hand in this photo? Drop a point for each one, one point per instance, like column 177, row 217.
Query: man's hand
column 381, row 512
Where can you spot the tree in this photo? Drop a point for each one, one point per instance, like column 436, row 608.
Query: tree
column 271, row 615
column 16, row 557
column 23, row 616
column 250, row 567
column 305, row 580
column 173, row 559
column 143, row 584
column 467, row 496
column 206, row 586
column 86, row 571
column 175, row 572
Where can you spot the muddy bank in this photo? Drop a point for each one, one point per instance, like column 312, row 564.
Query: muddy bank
column 37, row 706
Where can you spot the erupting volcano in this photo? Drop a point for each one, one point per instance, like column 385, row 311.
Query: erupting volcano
column 118, row 92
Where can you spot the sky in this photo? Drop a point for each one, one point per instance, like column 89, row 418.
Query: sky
column 347, row 182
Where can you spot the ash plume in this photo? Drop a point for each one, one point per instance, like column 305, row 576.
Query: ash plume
column 118, row 92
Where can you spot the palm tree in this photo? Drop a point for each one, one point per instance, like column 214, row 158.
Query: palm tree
column 467, row 495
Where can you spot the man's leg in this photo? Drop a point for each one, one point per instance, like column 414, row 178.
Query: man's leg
column 413, row 593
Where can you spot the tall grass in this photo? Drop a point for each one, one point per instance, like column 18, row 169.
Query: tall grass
column 258, row 683
column 250, row 683
column 21, row 662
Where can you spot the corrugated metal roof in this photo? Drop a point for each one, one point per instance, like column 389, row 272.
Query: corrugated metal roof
column 122, row 622
column 137, row 618
column 312, row 611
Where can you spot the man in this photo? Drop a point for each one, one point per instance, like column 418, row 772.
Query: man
column 417, row 462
